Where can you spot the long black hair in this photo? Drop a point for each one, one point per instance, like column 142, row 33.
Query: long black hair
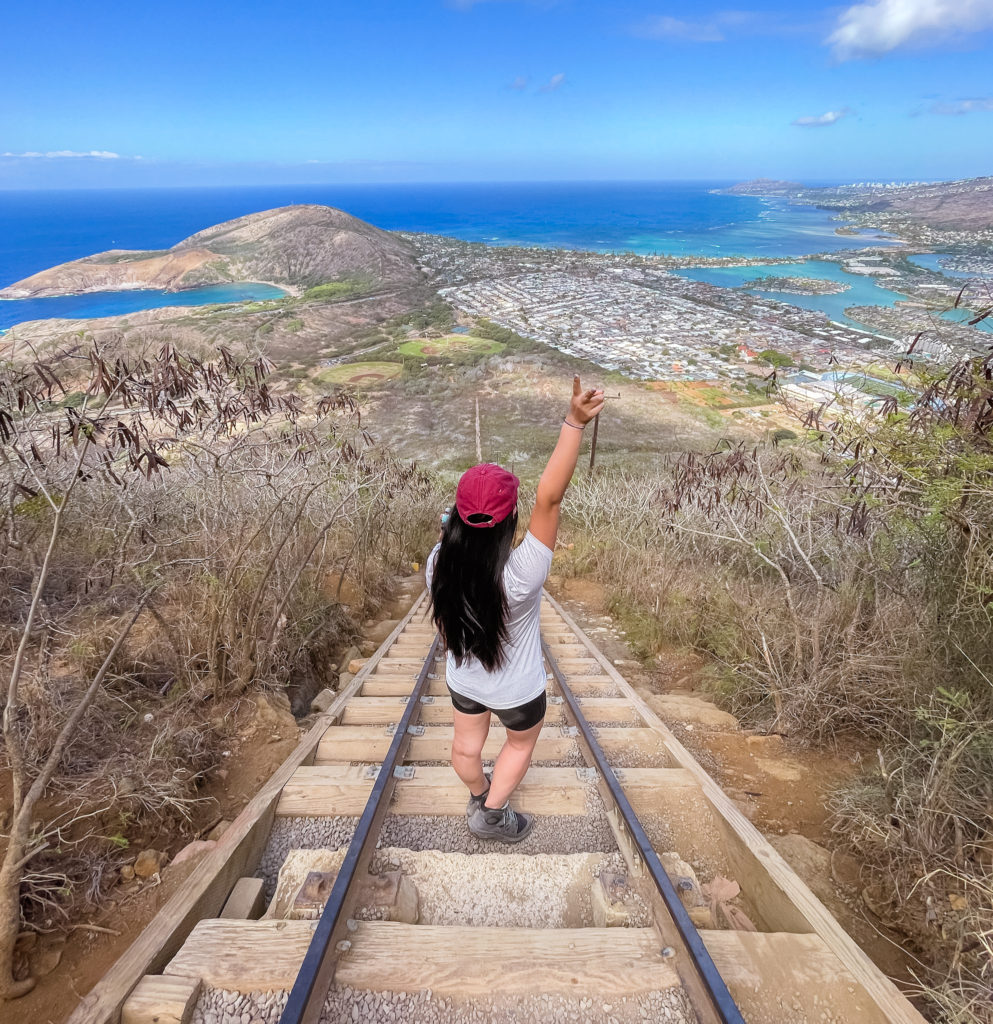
column 470, row 604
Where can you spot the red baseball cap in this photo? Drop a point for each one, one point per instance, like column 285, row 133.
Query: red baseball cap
column 486, row 495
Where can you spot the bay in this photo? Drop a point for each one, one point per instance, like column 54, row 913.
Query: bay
column 97, row 304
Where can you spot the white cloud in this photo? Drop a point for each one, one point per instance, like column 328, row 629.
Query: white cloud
column 555, row 82
column 714, row 29
column 61, row 154
column 519, row 84
column 880, row 26
column 662, row 26
column 822, row 120
column 959, row 107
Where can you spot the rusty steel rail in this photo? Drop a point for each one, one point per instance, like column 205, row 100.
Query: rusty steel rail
column 713, row 984
column 306, row 999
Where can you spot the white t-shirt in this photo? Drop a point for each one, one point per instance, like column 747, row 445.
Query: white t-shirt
column 522, row 677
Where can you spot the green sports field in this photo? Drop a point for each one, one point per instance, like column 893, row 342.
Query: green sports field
column 451, row 344
column 358, row 374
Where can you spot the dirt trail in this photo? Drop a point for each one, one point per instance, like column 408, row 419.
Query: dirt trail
column 780, row 786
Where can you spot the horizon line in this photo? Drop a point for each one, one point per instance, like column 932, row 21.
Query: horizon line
column 810, row 183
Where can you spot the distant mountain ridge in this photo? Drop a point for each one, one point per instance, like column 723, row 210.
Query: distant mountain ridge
column 291, row 246
column 963, row 205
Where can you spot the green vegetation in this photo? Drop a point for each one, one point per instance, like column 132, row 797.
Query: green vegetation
column 335, row 291
column 774, row 358
column 438, row 316
column 124, row 257
column 452, row 344
column 511, row 339
column 258, row 306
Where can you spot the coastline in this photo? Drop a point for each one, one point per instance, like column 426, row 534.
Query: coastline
column 98, row 304
column 292, row 291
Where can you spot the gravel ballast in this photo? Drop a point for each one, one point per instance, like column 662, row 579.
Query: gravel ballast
column 553, row 833
column 301, row 834
column 217, row 1006
column 492, row 891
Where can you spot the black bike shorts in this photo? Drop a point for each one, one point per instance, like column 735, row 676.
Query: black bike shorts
column 520, row 718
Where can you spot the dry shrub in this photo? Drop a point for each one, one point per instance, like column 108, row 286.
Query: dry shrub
column 920, row 827
column 823, row 616
column 199, row 555
column 132, row 772
column 226, row 549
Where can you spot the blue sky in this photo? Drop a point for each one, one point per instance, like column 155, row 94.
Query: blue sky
column 115, row 94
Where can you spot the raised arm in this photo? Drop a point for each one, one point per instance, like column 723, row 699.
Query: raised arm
column 554, row 481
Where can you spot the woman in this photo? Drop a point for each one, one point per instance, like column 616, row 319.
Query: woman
column 487, row 599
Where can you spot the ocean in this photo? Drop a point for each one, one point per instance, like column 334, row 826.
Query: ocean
column 44, row 228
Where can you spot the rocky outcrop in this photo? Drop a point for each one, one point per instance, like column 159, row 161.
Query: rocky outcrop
column 308, row 245
column 295, row 246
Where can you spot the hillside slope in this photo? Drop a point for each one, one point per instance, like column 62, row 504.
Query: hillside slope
column 965, row 205
column 296, row 246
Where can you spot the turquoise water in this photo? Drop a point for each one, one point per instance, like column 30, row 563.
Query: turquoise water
column 96, row 304
column 932, row 261
column 961, row 316
column 863, row 291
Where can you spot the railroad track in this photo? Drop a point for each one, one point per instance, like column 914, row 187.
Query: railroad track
column 350, row 889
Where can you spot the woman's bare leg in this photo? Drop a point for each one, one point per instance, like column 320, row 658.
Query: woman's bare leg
column 467, row 748
column 512, row 764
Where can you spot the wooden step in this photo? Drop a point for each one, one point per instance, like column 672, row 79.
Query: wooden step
column 411, row 647
column 347, row 743
column 382, row 685
column 772, row 976
column 590, row 686
column 388, row 710
column 579, row 666
column 329, row 790
column 398, row 661
column 384, row 710
column 247, row 956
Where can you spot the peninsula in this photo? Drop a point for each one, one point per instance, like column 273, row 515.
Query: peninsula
column 796, row 285
column 294, row 247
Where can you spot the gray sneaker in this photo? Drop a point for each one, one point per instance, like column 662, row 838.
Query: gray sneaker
column 477, row 801
column 503, row 825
